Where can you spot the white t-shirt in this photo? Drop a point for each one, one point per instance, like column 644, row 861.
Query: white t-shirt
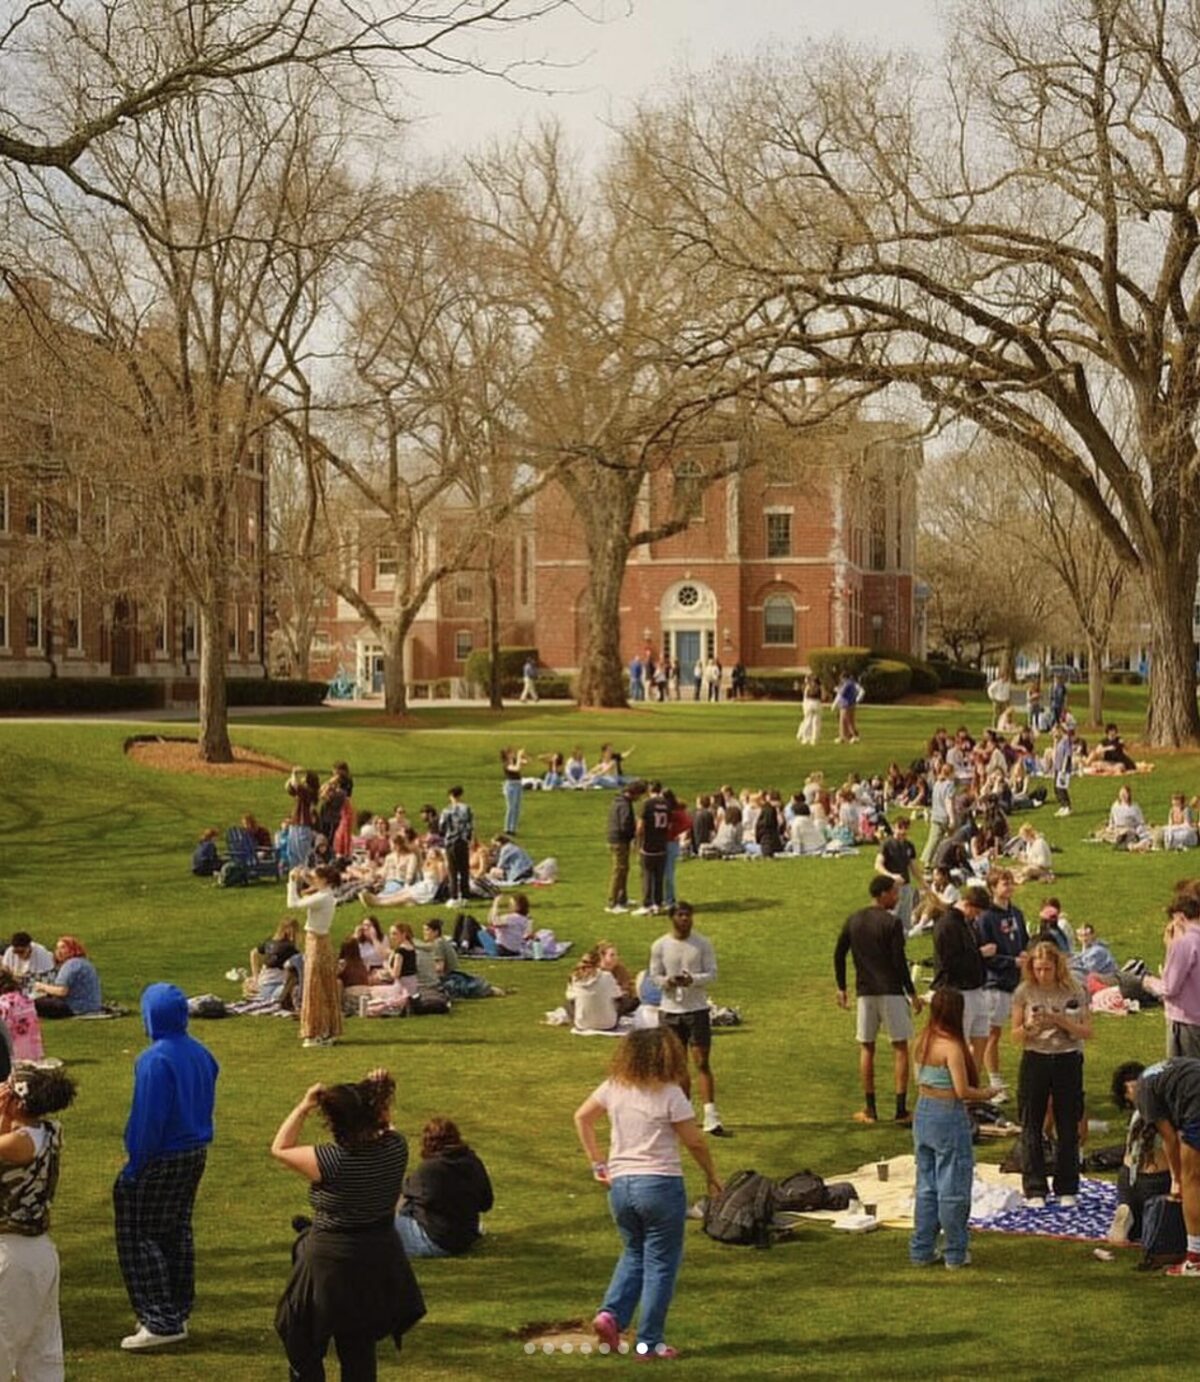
column 642, row 1140
column 38, row 961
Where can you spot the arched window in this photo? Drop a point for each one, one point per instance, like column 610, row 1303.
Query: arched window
column 779, row 621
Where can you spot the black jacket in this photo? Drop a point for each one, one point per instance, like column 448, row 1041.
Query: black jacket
column 622, row 820
column 446, row 1194
column 959, row 965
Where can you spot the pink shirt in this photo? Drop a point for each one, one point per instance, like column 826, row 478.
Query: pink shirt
column 1181, row 978
column 642, row 1140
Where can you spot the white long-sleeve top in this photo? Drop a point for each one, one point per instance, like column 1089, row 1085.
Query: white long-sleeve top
column 669, row 957
column 318, row 905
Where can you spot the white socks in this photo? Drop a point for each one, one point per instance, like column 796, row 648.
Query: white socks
column 712, row 1119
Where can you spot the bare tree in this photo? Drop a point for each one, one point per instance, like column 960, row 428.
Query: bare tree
column 238, row 206
column 1015, row 238
column 73, row 74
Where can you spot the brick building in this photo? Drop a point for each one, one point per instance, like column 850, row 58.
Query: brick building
column 813, row 546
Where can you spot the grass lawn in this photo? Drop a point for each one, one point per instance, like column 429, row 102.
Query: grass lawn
column 99, row 846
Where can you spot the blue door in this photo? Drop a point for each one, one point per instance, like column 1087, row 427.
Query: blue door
column 687, row 650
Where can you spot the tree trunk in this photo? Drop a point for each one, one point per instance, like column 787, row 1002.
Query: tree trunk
column 395, row 689
column 214, row 707
column 495, row 683
column 1171, row 716
column 602, row 676
column 1095, row 655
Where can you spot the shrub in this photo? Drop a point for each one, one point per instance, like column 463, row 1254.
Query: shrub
column 957, row 676
column 551, row 686
column 478, row 668
column 886, row 680
column 775, row 686
column 82, row 693
column 272, row 691
column 925, row 679
column 1121, row 677
column 829, row 663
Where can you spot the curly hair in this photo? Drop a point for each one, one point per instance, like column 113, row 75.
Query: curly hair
column 41, row 1092
column 1125, row 1074
column 357, row 1113
column 654, row 1056
column 438, row 1135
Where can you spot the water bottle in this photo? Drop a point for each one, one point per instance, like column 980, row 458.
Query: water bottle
column 364, row 1004
column 537, row 948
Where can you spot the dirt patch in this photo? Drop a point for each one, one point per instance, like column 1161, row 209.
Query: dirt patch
column 179, row 756
column 566, row 1336
column 936, row 702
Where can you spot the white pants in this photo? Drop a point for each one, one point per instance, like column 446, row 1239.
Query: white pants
column 30, row 1332
column 810, row 726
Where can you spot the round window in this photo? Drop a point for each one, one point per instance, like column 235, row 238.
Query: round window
column 688, row 596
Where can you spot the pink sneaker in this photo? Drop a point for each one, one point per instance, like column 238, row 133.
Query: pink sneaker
column 1190, row 1266
column 607, row 1332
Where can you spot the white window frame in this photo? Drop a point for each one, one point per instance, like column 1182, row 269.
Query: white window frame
column 38, row 521
column 384, row 579
column 75, row 645
column 162, row 639
column 459, row 597
column 459, row 635
column 40, row 644
column 778, row 599
column 768, row 515
column 252, row 631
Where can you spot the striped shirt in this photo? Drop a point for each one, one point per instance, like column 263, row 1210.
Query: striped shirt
column 359, row 1185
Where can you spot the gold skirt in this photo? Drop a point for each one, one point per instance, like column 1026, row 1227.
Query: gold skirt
column 320, row 1005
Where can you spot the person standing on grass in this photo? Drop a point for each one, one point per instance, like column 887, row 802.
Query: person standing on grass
column 810, row 722
column 845, row 702
column 683, row 964
column 1168, row 1096
column 897, row 857
column 649, row 1117
column 653, row 831
column 947, row 1077
column 512, row 764
column 622, row 828
column 885, row 991
column 31, row 1346
column 1181, row 977
column 321, row 1004
column 529, row 681
column 166, row 1138
column 959, row 965
column 1003, row 941
column 942, row 819
column 456, row 826
column 1063, row 764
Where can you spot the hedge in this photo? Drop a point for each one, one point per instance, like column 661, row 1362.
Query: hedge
column 830, row 663
column 775, row 686
column 82, row 693
column 478, row 668
column 271, row 691
column 886, row 680
column 925, row 679
column 550, row 687
column 1123, row 678
column 957, row 676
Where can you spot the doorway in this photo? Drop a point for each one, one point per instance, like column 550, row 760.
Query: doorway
column 687, row 649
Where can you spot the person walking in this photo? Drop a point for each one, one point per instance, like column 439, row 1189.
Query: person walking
column 947, row 1078
column 649, row 1117
column 845, row 702
column 31, row 1345
column 941, row 812
column 529, row 681
column 697, row 679
column 683, row 964
column 1063, row 764
column 622, row 828
column 885, row 993
column 637, row 686
column 166, row 1140
column 456, row 826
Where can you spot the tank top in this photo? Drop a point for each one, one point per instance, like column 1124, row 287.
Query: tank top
column 935, row 1076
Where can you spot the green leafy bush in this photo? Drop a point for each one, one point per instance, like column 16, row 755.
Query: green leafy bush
column 956, row 676
column 830, row 663
column 478, row 668
column 1122, row 677
column 886, row 680
column 82, row 693
column 925, row 679
column 775, row 686
column 271, row 691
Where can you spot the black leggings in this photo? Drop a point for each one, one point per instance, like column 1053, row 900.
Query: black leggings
column 1041, row 1078
column 356, row 1354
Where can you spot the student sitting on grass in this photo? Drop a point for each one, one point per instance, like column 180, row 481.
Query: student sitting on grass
column 75, row 990
column 512, row 928
column 205, row 859
column 444, row 1197
column 1145, row 1172
column 592, row 995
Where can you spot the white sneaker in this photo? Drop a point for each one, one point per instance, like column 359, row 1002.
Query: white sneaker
column 644, row 911
column 144, row 1339
column 1068, row 1201
column 616, row 911
column 1035, row 1202
column 1121, row 1224
column 1063, row 811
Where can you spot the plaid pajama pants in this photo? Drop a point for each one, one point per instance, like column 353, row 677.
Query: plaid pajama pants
column 154, row 1238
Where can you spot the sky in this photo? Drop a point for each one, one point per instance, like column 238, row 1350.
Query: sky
column 601, row 69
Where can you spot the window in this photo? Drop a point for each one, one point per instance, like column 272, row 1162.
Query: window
column 524, row 570
column 464, row 588
column 779, row 621
column 877, row 526
column 252, row 631
column 321, row 642
column 191, row 636
column 33, row 518
column 781, row 468
column 160, row 629
column 387, row 564
column 687, row 597
column 33, row 618
column 234, row 631
column 75, row 622
column 252, row 535
column 235, row 524
column 3, row 508
column 687, row 497
column 464, row 641
column 779, row 534
column 4, row 616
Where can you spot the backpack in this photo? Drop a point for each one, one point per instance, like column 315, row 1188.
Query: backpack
column 805, row 1191
column 743, row 1212
column 233, row 875
column 1164, row 1238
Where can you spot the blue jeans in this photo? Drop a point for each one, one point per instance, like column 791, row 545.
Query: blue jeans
column 945, row 1169
column 417, row 1243
column 650, row 1212
column 669, row 873
column 512, row 805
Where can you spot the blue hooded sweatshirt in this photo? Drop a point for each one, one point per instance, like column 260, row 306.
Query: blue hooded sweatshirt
column 174, row 1084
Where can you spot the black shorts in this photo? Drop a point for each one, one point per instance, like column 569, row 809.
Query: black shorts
column 693, row 1029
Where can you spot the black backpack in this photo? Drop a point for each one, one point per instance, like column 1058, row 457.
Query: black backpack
column 233, row 875
column 805, row 1191
column 743, row 1212
column 1164, row 1238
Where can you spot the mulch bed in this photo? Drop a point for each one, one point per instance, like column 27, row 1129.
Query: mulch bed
column 180, row 756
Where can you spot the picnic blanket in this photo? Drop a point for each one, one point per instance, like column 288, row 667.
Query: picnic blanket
column 554, row 950
column 997, row 1204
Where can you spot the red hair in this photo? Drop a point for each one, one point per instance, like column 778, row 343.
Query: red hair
column 73, row 946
